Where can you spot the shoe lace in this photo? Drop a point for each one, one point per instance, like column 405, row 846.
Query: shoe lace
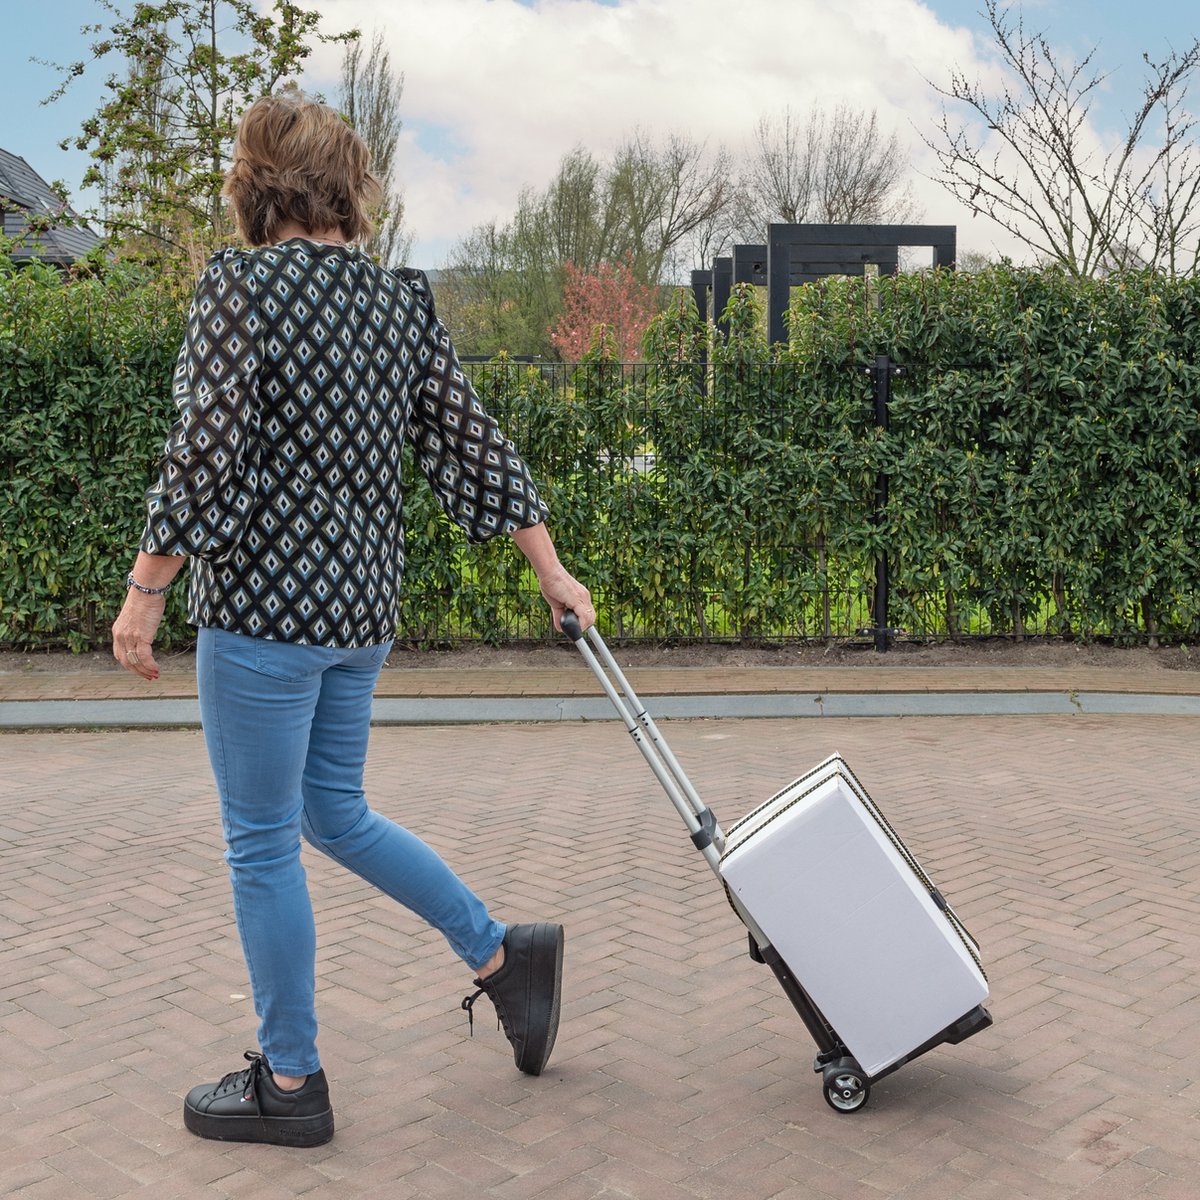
column 245, row 1080
column 468, row 1006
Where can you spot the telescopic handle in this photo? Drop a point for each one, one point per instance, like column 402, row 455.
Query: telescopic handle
column 697, row 816
column 706, row 834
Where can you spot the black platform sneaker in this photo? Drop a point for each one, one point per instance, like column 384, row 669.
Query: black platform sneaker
column 526, row 991
column 246, row 1106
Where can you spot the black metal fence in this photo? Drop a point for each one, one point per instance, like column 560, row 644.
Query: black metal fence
column 742, row 503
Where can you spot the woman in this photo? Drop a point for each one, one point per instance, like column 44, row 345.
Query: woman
column 304, row 369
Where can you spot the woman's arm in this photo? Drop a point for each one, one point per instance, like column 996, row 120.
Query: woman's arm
column 135, row 627
column 560, row 590
column 206, row 479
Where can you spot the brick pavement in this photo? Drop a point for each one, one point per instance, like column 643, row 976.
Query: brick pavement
column 1070, row 845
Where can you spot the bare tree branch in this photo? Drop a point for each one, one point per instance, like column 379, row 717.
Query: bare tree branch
column 662, row 194
column 1033, row 164
column 830, row 168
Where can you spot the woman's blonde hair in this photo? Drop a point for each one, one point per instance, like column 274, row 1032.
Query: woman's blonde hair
column 297, row 160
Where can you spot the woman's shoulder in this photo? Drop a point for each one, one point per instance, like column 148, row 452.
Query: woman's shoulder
column 229, row 254
column 257, row 267
column 230, row 260
column 417, row 282
column 414, row 279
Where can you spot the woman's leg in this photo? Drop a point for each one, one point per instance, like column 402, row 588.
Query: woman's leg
column 257, row 700
column 338, row 821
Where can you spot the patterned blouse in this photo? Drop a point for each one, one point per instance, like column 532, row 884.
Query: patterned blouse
column 303, row 371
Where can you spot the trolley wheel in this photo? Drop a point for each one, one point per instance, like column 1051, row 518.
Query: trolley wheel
column 845, row 1086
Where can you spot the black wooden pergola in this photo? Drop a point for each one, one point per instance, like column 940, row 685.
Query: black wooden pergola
column 795, row 254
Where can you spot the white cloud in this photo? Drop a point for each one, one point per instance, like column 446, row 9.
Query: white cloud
column 497, row 91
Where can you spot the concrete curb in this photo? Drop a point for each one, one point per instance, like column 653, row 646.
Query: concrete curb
column 128, row 714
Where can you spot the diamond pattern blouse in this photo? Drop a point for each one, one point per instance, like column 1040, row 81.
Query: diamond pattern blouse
column 304, row 369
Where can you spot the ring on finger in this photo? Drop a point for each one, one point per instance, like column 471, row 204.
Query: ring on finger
column 133, row 657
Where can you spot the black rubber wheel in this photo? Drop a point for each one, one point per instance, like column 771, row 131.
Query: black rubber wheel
column 845, row 1087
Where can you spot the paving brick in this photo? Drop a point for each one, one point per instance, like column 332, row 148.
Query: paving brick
column 1071, row 847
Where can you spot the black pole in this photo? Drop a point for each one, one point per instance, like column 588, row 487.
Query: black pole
column 701, row 282
column 882, row 372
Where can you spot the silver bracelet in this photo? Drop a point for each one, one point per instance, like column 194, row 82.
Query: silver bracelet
column 130, row 582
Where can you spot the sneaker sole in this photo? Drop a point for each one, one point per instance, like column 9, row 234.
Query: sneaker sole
column 271, row 1131
column 546, row 946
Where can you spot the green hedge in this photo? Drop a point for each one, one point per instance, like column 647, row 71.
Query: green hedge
column 1043, row 453
column 1044, row 449
column 85, row 367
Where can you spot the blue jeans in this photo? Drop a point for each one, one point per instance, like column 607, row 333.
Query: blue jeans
column 286, row 727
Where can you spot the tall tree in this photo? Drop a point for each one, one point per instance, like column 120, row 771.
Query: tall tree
column 828, row 168
column 660, row 195
column 1031, row 161
column 862, row 177
column 639, row 207
column 781, row 177
column 370, row 100
column 160, row 140
column 487, row 302
column 571, row 221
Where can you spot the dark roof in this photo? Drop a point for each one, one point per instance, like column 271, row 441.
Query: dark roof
column 23, row 192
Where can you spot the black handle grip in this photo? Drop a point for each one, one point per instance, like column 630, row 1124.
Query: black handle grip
column 571, row 626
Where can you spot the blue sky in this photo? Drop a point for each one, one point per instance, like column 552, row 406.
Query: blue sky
column 486, row 112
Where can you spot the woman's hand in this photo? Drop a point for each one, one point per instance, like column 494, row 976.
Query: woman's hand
column 134, row 629
column 561, row 591
column 133, row 633
column 558, row 588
